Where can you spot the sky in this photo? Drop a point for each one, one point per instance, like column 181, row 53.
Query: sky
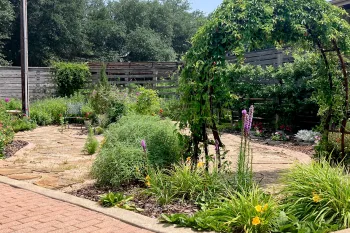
column 207, row 6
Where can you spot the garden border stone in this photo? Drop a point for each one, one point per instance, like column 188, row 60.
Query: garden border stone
column 126, row 216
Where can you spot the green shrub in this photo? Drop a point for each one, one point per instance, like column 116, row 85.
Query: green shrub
column 335, row 144
column 148, row 102
column 70, row 77
column 171, row 108
column 22, row 124
column 118, row 163
column 110, row 101
column 122, row 159
column 91, row 143
column 163, row 144
column 318, row 193
column 48, row 111
column 248, row 211
column 12, row 104
column 6, row 131
column 103, row 77
column 99, row 130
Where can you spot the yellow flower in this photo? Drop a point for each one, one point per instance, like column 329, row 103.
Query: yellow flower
column 266, row 206
column 103, row 142
column 316, row 198
column 188, row 159
column 148, row 181
column 259, row 208
column 200, row 164
column 256, row 221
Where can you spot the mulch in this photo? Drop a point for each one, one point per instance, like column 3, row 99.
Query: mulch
column 13, row 147
column 149, row 205
column 291, row 145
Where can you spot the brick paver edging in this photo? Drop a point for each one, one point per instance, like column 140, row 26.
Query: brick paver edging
column 129, row 217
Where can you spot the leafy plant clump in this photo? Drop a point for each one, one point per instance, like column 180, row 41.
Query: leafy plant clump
column 109, row 101
column 22, row 124
column 48, row 111
column 308, row 135
column 6, row 131
column 91, row 144
column 161, row 136
column 182, row 183
column 122, row 158
column 70, row 77
column 118, row 199
column 318, row 193
column 148, row 102
column 247, row 211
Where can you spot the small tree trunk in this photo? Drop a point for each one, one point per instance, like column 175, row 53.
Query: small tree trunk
column 346, row 88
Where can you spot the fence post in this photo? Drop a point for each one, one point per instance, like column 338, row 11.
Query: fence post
column 279, row 99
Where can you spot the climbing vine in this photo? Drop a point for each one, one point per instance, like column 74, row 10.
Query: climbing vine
column 240, row 26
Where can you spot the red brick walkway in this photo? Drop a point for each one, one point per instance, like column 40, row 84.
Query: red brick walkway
column 25, row 211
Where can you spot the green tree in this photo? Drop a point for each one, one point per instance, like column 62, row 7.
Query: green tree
column 55, row 31
column 76, row 30
column 146, row 45
column 105, row 34
column 6, row 19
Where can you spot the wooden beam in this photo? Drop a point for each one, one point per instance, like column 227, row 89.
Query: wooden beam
column 24, row 58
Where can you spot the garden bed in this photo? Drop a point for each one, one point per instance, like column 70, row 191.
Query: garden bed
column 15, row 146
column 148, row 204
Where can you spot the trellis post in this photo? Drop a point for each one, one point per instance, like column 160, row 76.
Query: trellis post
column 24, row 58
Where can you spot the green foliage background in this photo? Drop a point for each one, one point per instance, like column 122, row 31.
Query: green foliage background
column 80, row 30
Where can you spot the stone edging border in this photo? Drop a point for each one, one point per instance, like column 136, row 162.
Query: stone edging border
column 126, row 216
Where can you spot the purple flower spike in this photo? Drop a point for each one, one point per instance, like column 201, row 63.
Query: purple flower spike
column 244, row 112
column 143, row 144
column 251, row 114
column 246, row 124
column 7, row 100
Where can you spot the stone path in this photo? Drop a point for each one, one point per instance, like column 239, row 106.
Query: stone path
column 22, row 211
column 55, row 159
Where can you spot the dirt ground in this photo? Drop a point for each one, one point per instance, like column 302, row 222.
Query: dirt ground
column 55, row 160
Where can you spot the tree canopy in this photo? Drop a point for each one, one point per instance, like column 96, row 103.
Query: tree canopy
column 100, row 30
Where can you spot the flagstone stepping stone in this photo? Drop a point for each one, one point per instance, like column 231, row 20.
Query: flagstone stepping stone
column 11, row 171
column 54, row 182
column 24, row 176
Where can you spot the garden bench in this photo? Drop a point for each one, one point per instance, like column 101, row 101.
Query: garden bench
column 14, row 112
column 74, row 112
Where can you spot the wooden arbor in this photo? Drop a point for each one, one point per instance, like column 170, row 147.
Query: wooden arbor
column 244, row 25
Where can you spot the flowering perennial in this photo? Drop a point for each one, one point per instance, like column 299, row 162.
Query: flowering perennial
column 144, row 146
column 256, row 221
column 248, row 119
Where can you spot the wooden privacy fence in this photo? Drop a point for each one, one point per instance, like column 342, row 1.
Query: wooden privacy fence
column 162, row 76
column 158, row 75
column 266, row 57
column 40, row 82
